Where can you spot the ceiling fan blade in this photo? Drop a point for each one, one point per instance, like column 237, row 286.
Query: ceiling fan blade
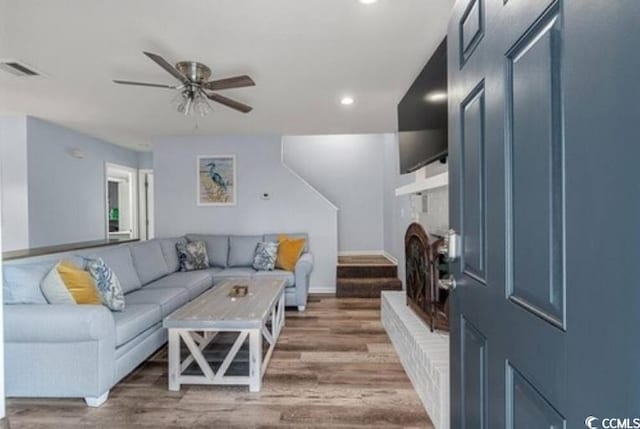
column 230, row 82
column 152, row 85
column 241, row 107
column 165, row 65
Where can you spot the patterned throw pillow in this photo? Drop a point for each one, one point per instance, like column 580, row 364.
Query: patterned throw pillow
column 193, row 256
column 108, row 284
column 67, row 283
column 265, row 256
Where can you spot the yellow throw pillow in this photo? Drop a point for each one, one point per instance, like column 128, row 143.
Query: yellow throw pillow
column 289, row 251
column 67, row 283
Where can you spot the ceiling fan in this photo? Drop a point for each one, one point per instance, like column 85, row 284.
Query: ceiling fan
column 193, row 78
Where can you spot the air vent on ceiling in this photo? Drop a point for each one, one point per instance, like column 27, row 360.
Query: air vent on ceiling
column 18, row 68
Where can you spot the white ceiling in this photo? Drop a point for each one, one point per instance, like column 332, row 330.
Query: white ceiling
column 303, row 54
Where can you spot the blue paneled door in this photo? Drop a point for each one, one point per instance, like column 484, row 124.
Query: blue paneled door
column 545, row 193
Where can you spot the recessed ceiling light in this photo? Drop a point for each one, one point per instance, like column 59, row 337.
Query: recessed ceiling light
column 436, row 96
column 367, row 1
column 347, row 101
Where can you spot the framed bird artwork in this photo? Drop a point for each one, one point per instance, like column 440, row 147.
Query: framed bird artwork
column 217, row 180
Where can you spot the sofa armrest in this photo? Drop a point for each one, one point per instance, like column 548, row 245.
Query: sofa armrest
column 59, row 351
column 302, row 272
column 57, row 323
column 304, row 265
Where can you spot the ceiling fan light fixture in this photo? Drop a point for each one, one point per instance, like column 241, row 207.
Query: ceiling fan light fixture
column 190, row 102
column 201, row 105
column 194, row 80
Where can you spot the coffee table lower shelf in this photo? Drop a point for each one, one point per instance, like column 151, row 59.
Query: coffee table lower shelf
column 197, row 339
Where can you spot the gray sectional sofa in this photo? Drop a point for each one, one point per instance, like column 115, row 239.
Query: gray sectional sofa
column 84, row 350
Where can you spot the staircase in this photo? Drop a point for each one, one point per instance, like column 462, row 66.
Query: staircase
column 364, row 276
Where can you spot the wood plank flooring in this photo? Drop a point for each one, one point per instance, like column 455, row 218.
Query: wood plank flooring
column 333, row 367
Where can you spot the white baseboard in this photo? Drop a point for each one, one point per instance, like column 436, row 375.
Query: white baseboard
column 361, row 252
column 369, row 253
column 390, row 257
column 320, row 289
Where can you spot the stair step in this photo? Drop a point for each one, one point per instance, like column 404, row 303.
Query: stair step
column 366, row 287
column 367, row 271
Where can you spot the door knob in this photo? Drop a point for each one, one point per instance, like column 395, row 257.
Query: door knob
column 448, row 283
column 450, row 247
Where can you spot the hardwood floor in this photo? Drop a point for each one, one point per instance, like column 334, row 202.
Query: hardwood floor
column 333, row 367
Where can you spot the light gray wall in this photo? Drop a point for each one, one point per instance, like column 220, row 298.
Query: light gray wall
column 145, row 160
column 350, row 171
column 293, row 206
column 67, row 195
column 391, row 172
column 13, row 180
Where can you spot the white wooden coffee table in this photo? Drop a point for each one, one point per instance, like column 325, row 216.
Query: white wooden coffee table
column 199, row 322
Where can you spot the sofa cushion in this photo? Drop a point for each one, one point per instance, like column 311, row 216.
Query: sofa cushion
column 67, row 283
column 233, row 273
column 242, row 249
column 275, row 237
column 149, row 261
column 287, row 276
column 193, row 256
column 168, row 246
column 217, row 248
column 120, row 261
column 22, row 278
column 196, row 282
column 22, row 283
column 265, row 256
column 134, row 319
column 169, row 299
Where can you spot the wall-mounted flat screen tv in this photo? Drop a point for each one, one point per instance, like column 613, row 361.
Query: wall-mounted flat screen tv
column 422, row 115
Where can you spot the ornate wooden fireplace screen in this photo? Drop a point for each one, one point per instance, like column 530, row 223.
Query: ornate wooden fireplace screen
column 424, row 295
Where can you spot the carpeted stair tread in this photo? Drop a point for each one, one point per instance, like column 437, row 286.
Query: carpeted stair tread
column 367, row 271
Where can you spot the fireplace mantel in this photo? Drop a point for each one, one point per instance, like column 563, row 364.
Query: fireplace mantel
column 424, row 184
column 430, row 177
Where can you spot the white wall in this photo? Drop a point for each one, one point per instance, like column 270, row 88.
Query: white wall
column 145, row 160
column 391, row 173
column 67, row 201
column 49, row 197
column 350, row 171
column 435, row 217
column 2, row 398
column 293, row 207
column 15, row 203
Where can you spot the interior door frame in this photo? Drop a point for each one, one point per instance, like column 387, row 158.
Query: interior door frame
column 133, row 197
column 143, row 203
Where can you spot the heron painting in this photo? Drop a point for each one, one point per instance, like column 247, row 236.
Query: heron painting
column 217, row 180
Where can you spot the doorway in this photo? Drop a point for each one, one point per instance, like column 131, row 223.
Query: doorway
column 121, row 197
